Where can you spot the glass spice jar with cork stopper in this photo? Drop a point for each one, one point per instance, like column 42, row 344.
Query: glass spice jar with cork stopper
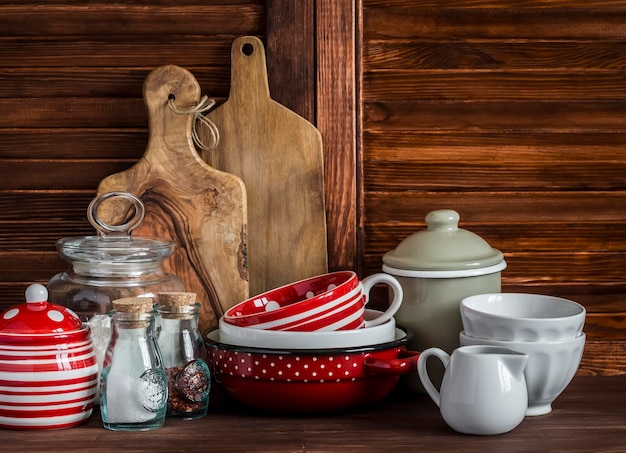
column 133, row 386
column 184, row 355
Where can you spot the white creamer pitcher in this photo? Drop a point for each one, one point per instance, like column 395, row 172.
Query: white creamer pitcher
column 483, row 389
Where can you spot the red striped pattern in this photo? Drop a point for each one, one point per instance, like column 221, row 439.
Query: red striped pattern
column 292, row 300
column 349, row 315
column 47, row 386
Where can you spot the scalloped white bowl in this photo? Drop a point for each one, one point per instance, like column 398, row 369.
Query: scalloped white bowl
column 521, row 317
column 550, row 368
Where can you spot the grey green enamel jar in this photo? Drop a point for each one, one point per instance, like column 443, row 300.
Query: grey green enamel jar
column 437, row 268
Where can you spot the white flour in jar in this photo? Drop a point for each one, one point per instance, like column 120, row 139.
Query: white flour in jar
column 100, row 336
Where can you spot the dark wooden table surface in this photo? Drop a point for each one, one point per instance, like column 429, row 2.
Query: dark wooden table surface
column 590, row 416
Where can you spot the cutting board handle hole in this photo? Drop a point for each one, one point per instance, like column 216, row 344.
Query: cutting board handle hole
column 171, row 97
column 247, row 49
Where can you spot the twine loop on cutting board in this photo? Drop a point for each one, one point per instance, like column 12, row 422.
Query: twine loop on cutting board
column 204, row 105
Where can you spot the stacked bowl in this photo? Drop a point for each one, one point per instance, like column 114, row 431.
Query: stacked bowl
column 547, row 328
column 311, row 346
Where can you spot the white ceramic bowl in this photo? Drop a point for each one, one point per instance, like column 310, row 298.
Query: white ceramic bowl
column 550, row 368
column 282, row 339
column 521, row 317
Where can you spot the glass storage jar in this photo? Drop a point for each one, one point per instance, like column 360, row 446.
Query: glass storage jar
column 108, row 266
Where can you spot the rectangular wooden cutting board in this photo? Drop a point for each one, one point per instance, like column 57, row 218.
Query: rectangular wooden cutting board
column 279, row 156
column 201, row 208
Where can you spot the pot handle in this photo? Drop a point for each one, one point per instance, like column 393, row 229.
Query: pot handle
column 404, row 364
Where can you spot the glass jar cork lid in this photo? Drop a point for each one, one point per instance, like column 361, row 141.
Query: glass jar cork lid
column 177, row 305
column 134, row 312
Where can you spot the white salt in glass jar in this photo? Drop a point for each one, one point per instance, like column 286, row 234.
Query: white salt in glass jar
column 133, row 386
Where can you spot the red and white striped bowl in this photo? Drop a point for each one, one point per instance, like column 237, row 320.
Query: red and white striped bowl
column 328, row 302
column 48, row 367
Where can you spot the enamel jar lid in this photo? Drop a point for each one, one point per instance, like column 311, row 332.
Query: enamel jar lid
column 38, row 321
column 443, row 250
column 48, row 366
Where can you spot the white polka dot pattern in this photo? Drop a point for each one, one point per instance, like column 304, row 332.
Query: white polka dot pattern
column 10, row 314
column 288, row 367
column 39, row 318
column 56, row 316
column 311, row 302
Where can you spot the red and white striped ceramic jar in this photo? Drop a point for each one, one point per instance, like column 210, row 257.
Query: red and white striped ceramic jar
column 48, row 368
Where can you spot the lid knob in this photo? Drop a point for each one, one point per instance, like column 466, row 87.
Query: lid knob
column 443, row 219
column 104, row 228
column 36, row 293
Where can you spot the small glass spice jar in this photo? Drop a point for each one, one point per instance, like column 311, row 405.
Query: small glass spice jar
column 133, row 385
column 184, row 355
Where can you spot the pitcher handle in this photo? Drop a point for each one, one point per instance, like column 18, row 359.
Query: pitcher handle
column 423, row 372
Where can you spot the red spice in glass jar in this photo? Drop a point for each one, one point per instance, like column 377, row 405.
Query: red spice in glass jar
column 183, row 352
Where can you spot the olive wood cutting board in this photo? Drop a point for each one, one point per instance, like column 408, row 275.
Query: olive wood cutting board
column 279, row 156
column 201, row 208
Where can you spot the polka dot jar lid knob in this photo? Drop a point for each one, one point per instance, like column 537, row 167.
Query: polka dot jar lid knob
column 37, row 316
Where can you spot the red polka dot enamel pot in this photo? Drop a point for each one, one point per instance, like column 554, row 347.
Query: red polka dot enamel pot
column 48, row 368
column 328, row 302
column 310, row 381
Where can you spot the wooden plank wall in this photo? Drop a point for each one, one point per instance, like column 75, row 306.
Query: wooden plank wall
column 513, row 113
column 71, row 76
